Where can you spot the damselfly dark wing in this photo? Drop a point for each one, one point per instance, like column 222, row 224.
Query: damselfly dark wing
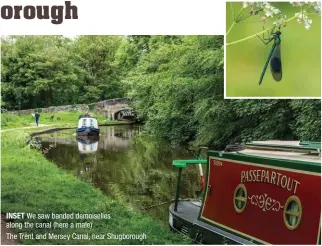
column 276, row 63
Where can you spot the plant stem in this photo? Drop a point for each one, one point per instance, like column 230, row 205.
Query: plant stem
column 252, row 36
column 253, row 21
column 249, row 37
column 231, row 27
column 232, row 10
column 240, row 11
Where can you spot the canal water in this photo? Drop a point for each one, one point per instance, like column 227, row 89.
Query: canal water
column 134, row 169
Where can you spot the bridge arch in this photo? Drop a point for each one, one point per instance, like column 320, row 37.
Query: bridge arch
column 123, row 114
column 116, row 109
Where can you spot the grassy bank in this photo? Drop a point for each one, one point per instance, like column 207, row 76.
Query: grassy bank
column 30, row 183
column 69, row 118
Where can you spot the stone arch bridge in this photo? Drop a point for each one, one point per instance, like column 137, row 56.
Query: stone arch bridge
column 113, row 109
column 116, row 109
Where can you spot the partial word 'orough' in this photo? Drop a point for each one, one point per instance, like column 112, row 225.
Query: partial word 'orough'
column 56, row 13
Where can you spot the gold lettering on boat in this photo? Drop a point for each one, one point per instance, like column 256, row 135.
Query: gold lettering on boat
column 270, row 177
column 265, row 203
column 217, row 163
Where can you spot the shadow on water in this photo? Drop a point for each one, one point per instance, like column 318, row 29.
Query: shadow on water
column 125, row 166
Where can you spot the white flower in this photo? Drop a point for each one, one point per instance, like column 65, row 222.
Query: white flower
column 297, row 4
column 269, row 13
column 280, row 21
column 302, row 17
column 245, row 5
column 261, row 5
column 276, row 11
column 254, row 8
column 317, row 7
column 307, row 23
column 269, row 10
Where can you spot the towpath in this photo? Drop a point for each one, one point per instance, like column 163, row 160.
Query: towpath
column 26, row 127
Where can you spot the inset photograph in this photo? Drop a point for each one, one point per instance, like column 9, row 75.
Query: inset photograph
column 273, row 50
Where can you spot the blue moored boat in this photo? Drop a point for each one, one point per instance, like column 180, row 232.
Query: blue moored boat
column 87, row 126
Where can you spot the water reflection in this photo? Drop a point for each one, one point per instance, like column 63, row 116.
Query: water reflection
column 87, row 144
column 136, row 170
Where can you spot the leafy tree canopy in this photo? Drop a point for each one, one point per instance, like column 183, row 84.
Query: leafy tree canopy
column 177, row 83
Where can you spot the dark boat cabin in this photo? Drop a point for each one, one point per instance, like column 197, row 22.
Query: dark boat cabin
column 267, row 192
column 87, row 126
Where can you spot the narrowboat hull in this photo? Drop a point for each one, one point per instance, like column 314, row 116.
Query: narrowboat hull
column 265, row 196
column 185, row 221
column 268, row 191
column 87, row 131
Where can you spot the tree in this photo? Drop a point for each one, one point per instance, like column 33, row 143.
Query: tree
column 95, row 56
column 37, row 72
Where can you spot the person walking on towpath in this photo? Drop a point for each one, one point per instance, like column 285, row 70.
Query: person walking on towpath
column 37, row 118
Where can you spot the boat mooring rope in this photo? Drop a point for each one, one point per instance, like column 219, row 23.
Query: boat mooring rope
column 234, row 148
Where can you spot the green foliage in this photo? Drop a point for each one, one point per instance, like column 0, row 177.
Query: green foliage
column 236, row 121
column 37, row 72
column 12, row 120
column 170, row 79
column 307, row 115
column 43, row 71
column 176, row 83
column 9, row 120
column 177, row 88
column 95, row 59
column 30, row 183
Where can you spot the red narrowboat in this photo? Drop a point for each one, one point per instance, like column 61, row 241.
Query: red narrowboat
column 264, row 192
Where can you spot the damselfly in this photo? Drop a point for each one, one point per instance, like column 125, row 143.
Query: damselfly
column 274, row 56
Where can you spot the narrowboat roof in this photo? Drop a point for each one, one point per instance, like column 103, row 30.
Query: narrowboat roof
column 82, row 117
column 298, row 156
column 286, row 145
column 289, row 150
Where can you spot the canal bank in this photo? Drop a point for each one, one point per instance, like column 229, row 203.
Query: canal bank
column 32, row 184
column 124, row 164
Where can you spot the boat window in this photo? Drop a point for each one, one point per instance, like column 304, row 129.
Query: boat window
column 91, row 122
column 84, row 122
column 292, row 212
column 240, row 198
